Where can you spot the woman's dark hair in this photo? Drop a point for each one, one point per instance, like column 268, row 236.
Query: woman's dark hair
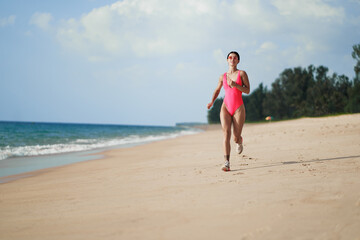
column 234, row 53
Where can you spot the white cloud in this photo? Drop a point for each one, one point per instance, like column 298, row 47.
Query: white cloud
column 265, row 47
column 179, row 67
column 97, row 59
column 161, row 27
column 251, row 15
column 308, row 8
column 7, row 21
column 298, row 31
column 219, row 57
column 41, row 20
column 151, row 27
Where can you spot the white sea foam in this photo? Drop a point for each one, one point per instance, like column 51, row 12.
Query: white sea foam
column 84, row 145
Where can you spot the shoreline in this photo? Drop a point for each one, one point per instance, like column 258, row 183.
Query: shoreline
column 82, row 156
column 295, row 179
column 16, row 167
column 29, row 165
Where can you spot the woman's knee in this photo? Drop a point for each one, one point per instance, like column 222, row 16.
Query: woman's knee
column 227, row 133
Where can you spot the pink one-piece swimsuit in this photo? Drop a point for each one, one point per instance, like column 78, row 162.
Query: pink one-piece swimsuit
column 233, row 96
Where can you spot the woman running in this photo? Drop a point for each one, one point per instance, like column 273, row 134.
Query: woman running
column 235, row 82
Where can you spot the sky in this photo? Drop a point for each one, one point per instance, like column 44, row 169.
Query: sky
column 157, row 62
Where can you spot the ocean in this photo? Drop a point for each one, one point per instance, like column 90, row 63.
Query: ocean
column 28, row 146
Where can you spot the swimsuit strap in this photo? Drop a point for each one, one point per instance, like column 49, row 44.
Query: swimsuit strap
column 238, row 80
column 225, row 80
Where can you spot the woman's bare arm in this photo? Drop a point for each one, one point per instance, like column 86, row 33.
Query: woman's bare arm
column 216, row 92
column 245, row 88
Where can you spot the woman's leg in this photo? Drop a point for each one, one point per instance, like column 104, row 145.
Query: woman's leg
column 226, row 120
column 238, row 123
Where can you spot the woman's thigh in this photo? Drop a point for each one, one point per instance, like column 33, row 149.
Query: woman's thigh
column 225, row 119
column 238, row 122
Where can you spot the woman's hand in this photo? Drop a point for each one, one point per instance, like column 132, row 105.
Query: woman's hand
column 209, row 105
column 230, row 82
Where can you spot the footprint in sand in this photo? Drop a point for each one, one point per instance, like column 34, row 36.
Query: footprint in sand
column 247, row 157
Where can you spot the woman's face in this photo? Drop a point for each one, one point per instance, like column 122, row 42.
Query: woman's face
column 233, row 59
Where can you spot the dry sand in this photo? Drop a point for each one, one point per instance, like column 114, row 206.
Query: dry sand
column 297, row 179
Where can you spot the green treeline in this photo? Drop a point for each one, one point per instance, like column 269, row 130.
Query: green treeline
column 302, row 92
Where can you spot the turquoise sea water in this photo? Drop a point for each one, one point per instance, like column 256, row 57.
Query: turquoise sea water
column 41, row 144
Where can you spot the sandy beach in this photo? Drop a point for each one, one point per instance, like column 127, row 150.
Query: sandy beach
column 296, row 179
